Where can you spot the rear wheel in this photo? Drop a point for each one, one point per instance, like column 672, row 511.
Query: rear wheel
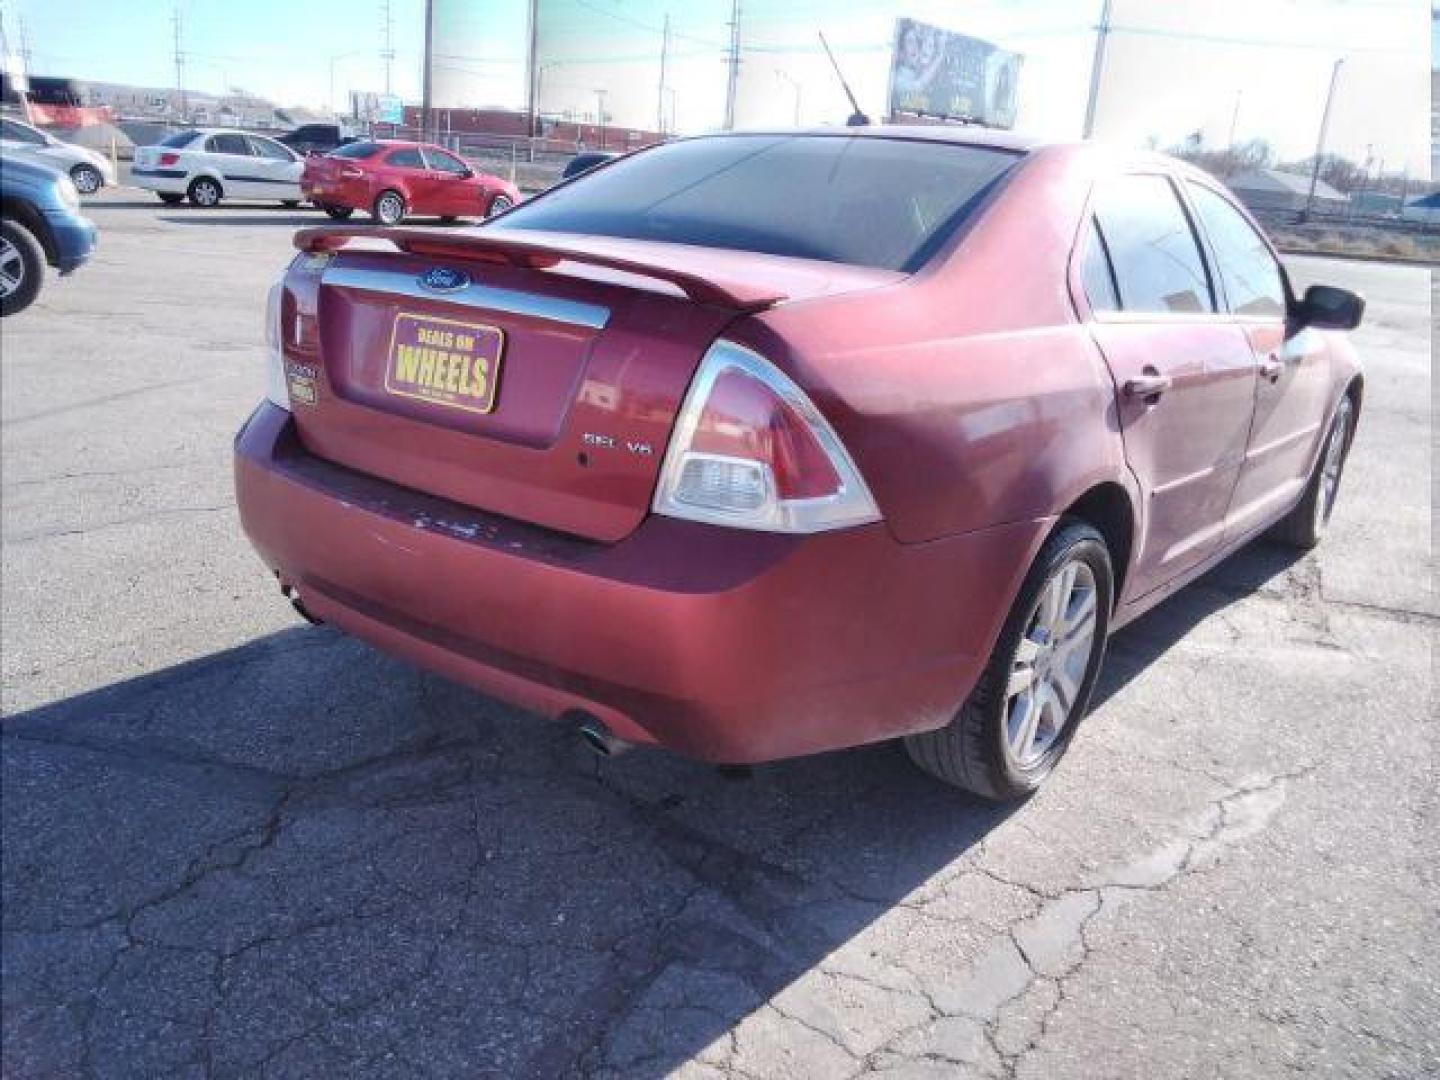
column 169, row 198
column 205, row 192
column 22, row 267
column 389, row 208
column 87, row 179
column 1019, row 720
column 1304, row 525
column 339, row 213
column 499, row 205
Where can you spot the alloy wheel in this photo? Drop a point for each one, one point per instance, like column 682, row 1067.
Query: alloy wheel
column 391, row 208
column 12, row 268
column 499, row 205
column 1333, row 462
column 87, row 179
column 206, row 193
column 1050, row 663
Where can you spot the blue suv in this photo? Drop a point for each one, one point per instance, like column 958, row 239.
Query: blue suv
column 40, row 222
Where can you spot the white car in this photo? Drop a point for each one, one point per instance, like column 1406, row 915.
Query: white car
column 210, row 164
column 89, row 171
column 1426, row 209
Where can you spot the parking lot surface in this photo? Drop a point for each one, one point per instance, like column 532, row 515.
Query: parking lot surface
column 238, row 845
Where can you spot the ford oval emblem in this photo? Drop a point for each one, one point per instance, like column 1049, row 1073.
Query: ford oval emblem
column 444, row 279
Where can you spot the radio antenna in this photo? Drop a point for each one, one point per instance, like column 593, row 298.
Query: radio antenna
column 857, row 118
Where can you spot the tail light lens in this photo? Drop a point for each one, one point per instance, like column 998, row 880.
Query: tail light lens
column 751, row 451
column 276, row 390
column 169, row 159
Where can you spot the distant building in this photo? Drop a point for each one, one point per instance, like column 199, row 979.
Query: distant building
column 1273, row 189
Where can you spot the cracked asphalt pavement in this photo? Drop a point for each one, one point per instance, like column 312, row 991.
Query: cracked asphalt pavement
column 236, row 845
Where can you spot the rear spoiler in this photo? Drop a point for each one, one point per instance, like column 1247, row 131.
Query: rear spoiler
column 540, row 254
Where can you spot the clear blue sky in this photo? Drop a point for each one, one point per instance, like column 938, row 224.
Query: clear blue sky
column 1175, row 67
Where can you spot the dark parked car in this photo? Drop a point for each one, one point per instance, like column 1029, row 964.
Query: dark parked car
column 40, row 223
column 757, row 445
column 316, row 138
column 583, row 163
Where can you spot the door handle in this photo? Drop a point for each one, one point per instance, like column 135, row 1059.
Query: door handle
column 1272, row 367
column 1149, row 385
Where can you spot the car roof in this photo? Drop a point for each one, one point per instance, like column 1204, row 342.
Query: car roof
column 964, row 134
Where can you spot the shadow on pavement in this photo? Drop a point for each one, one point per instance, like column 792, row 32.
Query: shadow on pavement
column 302, row 854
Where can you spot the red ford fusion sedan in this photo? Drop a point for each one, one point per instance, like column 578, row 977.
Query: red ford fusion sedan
column 757, row 445
column 394, row 180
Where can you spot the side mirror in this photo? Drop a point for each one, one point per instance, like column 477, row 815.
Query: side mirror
column 1327, row 307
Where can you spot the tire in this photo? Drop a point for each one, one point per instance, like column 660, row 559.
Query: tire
column 499, row 205
column 339, row 213
column 88, row 179
column 205, row 192
column 984, row 749
column 22, row 267
column 389, row 207
column 290, row 204
column 169, row 198
column 1305, row 524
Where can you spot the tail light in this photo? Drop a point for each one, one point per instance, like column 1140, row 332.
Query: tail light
column 276, row 390
column 751, row 451
column 169, row 159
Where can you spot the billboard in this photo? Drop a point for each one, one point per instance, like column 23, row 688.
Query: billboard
column 936, row 72
column 372, row 108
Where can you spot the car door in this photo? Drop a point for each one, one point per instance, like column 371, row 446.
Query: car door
column 277, row 166
column 405, row 170
column 1291, row 392
column 228, row 154
column 458, row 191
column 1184, row 371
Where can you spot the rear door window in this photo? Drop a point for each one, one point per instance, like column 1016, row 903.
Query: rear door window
column 229, row 142
column 1152, row 247
column 405, row 159
column 1253, row 282
column 269, row 148
column 356, row 151
column 443, row 162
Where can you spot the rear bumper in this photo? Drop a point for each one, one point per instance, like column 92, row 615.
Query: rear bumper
column 168, row 181
column 720, row 644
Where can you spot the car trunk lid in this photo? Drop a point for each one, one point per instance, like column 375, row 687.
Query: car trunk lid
column 537, row 378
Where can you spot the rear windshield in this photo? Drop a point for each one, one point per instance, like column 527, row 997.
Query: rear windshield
column 355, row 150
column 179, row 139
column 861, row 200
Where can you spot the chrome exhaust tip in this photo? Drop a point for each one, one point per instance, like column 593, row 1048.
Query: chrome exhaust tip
column 599, row 739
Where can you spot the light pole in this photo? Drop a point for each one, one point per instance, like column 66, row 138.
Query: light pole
column 1320, row 143
column 794, row 85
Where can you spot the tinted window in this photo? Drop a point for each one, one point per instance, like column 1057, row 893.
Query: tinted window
column 851, row 199
column 1152, row 247
column 356, row 150
column 1099, row 279
column 1252, row 278
column 229, row 143
column 179, row 139
column 269, row 148
column 405, row 159
column 443, row 162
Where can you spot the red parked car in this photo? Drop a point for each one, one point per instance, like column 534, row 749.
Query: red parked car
column 396, row 180
column 756, row 445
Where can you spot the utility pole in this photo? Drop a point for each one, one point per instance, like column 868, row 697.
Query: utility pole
column 1320, row 143
column 387, row 36
column 794, row 85
column 600, row 115
column 425, row 102
column 1097, row 68
column 532, row 70
column 660, row 93
column 733, row 60
column 19, row 79
column 1235, row 118
column 26, row 56
column 180, row 67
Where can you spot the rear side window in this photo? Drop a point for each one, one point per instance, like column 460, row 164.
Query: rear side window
column 356, row 150
column 179, row 139
column 1158, row 268
column 1253, row 284
column 21, row 133
column 405, row 159
column 229, row 143
column 867, row 201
